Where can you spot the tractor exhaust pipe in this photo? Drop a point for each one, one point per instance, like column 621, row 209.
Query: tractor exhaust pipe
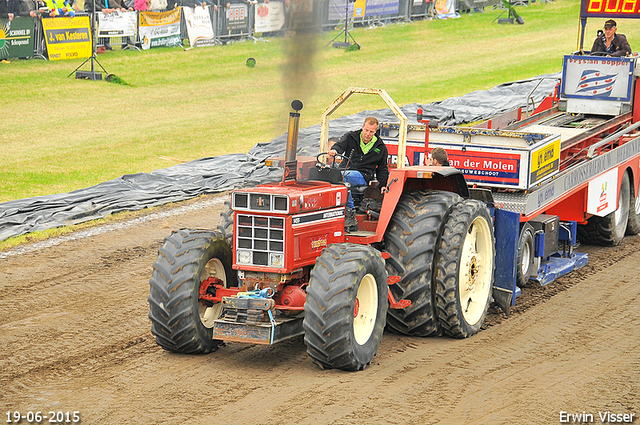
column 290, row 161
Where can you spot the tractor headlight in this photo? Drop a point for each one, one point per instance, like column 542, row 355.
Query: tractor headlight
column 244, row 256
column 276, row 260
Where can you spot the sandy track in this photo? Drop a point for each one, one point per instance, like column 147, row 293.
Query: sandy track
column 74, row 336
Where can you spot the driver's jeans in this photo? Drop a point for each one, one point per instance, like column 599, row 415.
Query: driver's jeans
column 354, row 178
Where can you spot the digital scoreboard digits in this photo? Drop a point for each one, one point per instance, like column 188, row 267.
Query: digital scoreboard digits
column 610, row 9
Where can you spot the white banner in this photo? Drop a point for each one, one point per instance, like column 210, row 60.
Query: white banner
column 269, row 17
column 117, row 24
column 199, row 26
column 603, row 194
column 158, row 29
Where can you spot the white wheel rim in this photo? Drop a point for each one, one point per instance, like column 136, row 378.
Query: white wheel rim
column 213, row 268
column 476, row 266
column 526, row 259
column 365, row 310
column 638, row 205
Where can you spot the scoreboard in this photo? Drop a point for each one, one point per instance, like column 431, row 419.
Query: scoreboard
column 610, row 9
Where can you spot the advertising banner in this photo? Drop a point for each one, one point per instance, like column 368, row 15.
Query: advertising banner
column 362, row 8
column 16, row 38
column 67, row 38
column 591, row 77
column 199, row 28
column 337, row 9
column 117, row 24
column 269, row 17
column 603, row 194
column 237, row 17
column 160, row 29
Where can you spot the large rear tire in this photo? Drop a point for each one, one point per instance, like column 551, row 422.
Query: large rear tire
column 466, row 263
column 412, row 239
column 610, row 229
column 225, row 224
column 346, row 307
column 179, row 321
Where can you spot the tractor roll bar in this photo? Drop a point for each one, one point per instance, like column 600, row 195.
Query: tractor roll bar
column 402, row 136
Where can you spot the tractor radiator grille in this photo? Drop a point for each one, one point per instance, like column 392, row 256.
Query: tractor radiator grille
column 259, row 240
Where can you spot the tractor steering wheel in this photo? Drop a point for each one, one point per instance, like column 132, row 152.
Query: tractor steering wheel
column 329, row 163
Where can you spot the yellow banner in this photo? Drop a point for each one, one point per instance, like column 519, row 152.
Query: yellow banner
column 149, row 19
column 67, row 38
column 359, row 8
column 545, row 161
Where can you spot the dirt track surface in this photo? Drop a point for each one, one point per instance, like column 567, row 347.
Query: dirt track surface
column 74, row 336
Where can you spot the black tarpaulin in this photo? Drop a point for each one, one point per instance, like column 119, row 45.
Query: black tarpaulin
column 217, row 174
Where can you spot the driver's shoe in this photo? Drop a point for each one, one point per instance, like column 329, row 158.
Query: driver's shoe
column 350, row 221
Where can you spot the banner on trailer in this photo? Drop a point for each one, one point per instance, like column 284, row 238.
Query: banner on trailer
column 117, row 24
column 237, row 17
column 199, row 27
column 269, row 17
column 160, row 29
column 67, row 38
column 590, row 77
column 603, row 194
column 16, row 38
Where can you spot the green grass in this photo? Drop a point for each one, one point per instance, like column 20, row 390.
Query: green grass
column 59, row 134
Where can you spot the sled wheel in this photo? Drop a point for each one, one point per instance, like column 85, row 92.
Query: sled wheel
column 179, row 321
column 633, row 225
column 525, row 255
column 412, row 239
column 346, row 307
column 465, row 267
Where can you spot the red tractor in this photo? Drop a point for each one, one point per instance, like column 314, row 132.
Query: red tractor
column 280, row 263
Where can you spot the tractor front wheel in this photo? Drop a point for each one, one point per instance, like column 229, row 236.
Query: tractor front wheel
column 346, row 307
column 179, row 320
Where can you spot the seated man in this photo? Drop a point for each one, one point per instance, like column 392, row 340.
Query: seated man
column 368, row 155
column 612, row 44
column 439, row 158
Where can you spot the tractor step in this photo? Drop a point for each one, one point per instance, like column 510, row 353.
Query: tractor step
column 265, row 333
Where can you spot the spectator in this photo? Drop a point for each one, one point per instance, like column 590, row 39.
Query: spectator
column 141, row 5
column 157, row 5
column 106, row 7
column 60, row 8
column 31, row 8
column 9, row 9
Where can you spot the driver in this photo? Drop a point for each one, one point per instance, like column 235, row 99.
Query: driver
column 368, row 155
column 611, row 43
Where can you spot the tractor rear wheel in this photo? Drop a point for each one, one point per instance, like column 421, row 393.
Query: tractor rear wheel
column 610, row 229
column 465, row 267
column 179, row 321
column 225, row 224
column 633, row 225
column 346, row 307
column 412, row 239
